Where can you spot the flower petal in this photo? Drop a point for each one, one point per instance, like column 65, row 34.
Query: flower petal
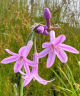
column 41, row 80
column 24, row 51
column 22, row 73
column 61, row 55
column 59, row 39
column 40, row 29
column 9, row 59
column 68, row 48
column 35, row 58
column 21, row 50
column 10, row 52
column 45, row 27
column 45, row 32
column 35, row 68
column 17, row 67
column 27, row 70
column 31, row 63
column 52, row 36
column 25, row 77
column 43, row 53
column 51, row 58
column 27, row 81
column 47, row 44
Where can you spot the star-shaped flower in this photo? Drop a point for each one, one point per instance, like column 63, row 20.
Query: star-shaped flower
column 20, row 58
column 56, row 47
column 34, row 74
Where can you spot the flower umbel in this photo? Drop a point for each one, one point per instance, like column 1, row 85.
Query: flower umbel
column 20, row 58
column 55, row 47
column 44, row 29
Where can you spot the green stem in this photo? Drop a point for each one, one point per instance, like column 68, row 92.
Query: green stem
column 31, row 34
column 22, row 80
column 35, row 49
column 21, row 84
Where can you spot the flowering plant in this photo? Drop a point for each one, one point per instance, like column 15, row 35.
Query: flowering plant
column 52, row 48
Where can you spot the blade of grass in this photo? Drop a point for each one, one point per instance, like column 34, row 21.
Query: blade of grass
column 70, row 72
column 74, row 91
column 64, row 89
column 59, row 78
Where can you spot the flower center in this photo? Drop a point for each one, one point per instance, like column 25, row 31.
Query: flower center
column 54, row 47
column 21, row 58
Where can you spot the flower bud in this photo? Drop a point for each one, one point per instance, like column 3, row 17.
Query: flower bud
column 45, row 32
column 40, row 29
column 47, row 14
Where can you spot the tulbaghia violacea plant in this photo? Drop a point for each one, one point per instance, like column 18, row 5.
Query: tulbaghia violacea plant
column 52, row 48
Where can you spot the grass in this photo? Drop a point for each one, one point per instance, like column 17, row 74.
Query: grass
column 15, row 26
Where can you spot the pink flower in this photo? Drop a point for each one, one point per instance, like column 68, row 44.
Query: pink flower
column 34, row 74
column 20, row 58
column 55, row 47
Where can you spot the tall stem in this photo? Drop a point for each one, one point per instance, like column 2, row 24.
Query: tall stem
column 35, row 49
column 22, row 80
column 21, row 84
column 31, row 34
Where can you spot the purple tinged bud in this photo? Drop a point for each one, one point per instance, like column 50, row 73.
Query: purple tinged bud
column 47, row 14
column 45, row 32
column 40, row 29
column 45, row 27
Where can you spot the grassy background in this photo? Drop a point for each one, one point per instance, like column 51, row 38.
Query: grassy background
column 15, row 26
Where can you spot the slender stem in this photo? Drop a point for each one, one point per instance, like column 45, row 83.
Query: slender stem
column 35, row 49
column 32, row 36
column 22, row 80
column 48, row 22
column 21, row 84
column 29, row 37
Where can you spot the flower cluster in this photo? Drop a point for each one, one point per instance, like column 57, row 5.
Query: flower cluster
column 22, row 60
column 44, row 29
column 52, row 48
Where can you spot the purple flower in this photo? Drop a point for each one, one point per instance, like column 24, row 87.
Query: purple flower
column 55, row 47
column 45, row 30
column 20, row 58
column 34, row 74
column 47, row 16
column 42, row 29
